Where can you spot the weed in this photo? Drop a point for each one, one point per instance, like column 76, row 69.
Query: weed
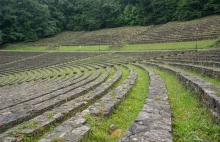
column 157, row 99
column 49, row 115
column 57, row 139
column 33, row 124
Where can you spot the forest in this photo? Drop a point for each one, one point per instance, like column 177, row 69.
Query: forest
column 29, row 20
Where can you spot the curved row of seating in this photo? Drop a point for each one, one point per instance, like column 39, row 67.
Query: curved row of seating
column 206, row 91
column 154, row 121
column 71, row 98
column 61, row 95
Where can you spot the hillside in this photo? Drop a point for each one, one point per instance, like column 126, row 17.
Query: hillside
column 208, row 28
column 46, row 18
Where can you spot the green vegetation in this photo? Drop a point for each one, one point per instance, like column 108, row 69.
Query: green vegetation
column 125, row 114
column 56, row 139
column 84, row 48
column 204, row 44
column 30, row 125
column 25, row 48
column 191, row 122
column 49, row 115
column 169, row 46
column 52, row 17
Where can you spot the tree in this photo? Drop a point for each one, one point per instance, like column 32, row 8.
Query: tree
column 145, row 12
column 188, row 9
column 29, row 20
column 211, row 7
column 110, row 14
column 86, row 15
column 163, row 10
column 1, row 34
column 130, row 15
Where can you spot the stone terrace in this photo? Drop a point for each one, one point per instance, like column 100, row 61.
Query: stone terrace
column 208, row 28
column 40, row 90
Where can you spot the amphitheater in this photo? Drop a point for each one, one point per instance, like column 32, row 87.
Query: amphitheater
column 43, row 89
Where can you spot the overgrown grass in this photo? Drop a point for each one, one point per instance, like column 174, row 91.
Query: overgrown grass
column 125, row 114
column 169, row 46
column 190, row 121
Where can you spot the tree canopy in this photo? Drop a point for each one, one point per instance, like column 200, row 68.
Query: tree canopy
column 29, row 20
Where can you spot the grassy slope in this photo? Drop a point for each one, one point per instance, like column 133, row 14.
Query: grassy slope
column 190, row 121
column 25, row 48
column 209, row 27
column 205, row 44
column 169, row 46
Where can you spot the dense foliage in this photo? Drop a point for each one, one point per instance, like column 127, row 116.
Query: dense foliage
column 29, row 20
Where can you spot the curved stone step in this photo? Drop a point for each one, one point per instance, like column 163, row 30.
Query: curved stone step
column 56, row 84
column 154, row 121
column 72, row 130
column 106, row 104
column 12, row 80
column 207, row 71
column 41, row 85
column 34, row 95
column 45, row 73
column 206, row 91
column 3, row 78
column 25, row 76
column 198, row 59
column 203, row 63
column 60, row 112
column 24, row 111
column 68, row 108
column 31, row 75
column 68, row 134
column 40, row 75
column 52, row 72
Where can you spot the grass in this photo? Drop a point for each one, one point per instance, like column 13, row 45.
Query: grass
column 84, row 48
column 32, row 124
column 49, row 115
column 125, row 114
column 204, row 44
column 169, row 46
column 25, row 48
column 190, row 121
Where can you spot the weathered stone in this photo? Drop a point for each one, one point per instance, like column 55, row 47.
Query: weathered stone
column 106, row 105
column 153, row 122
column 112, row 128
